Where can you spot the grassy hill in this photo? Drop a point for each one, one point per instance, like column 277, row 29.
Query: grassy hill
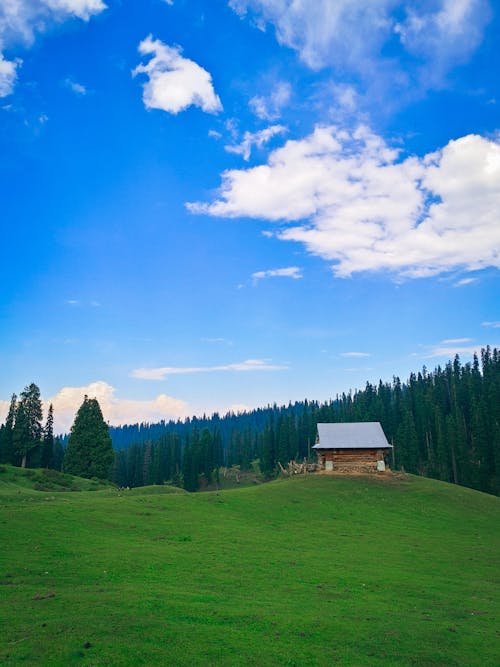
column 315, row 570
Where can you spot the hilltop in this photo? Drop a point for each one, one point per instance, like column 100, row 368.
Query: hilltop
column 315, row 570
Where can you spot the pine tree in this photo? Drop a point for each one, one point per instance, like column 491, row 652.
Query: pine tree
column 27, row 432
column 48, row 440
column 89, row 452
column 6, row 448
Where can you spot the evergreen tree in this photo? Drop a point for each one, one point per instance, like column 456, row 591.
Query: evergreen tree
column 48, row 440
column 6, row 445
column 27, row 432
column 89, row 452
column 58, row 454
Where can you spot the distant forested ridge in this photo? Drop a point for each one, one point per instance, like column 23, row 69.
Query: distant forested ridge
column 443, row 424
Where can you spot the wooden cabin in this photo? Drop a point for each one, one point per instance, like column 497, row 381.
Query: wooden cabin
column 352, row 447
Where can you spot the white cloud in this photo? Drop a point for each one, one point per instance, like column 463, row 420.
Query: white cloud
column 20, row 20
column 244, row 366
column 115, row 410
column 465, row 281
column 493, row 325
column 255, row 139
column 355, row 355
column 351, row 34
column 447, row 349
column 270, row 107
column 456, row 341
column 174, row 83
column 8, row 75
column 446, row 35
column 75, row 87
column 362, row 207
column 289, row 272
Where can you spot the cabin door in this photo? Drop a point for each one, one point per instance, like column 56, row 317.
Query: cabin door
column 329, row 465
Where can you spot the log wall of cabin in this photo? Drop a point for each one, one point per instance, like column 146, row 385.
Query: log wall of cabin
column 350, row 457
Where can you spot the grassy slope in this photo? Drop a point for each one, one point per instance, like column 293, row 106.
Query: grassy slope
column 311, row 571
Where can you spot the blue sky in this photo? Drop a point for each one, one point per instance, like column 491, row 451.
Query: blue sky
column 217, row 205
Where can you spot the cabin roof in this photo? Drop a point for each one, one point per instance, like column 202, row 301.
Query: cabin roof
column 352, row 435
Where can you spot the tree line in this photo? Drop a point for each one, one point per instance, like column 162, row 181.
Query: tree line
column 25, row 442
column 443, row 424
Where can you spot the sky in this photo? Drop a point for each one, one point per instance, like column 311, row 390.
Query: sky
column 212, row 205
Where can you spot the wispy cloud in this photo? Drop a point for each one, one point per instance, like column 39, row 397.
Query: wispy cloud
column 250, row 139
column 493, row 325
column 355, row 355
column 270, row 107
column 465, row 281
column 219, row 339
column 450, row 347
column 77, row 88
column 21, row 20
column 244, row 366
column 174, row 82
column 429, row 38
column 289, row 272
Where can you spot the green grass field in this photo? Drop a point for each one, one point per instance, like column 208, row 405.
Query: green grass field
column 315, row 570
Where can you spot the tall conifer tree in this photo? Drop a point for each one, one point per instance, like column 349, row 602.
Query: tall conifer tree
column 89, row 452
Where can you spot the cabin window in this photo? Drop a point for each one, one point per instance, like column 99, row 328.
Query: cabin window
column 328, row 465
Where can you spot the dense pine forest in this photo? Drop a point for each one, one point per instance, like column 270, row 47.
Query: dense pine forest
column 443, row 424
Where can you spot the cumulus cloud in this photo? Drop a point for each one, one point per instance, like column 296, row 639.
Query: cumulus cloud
column 289, row 272
column 115, row 410
column 243, row 366
column 244, row 148
column 351, row 199
column 350, row 35
column 20, row 20
column 270, row 107
column 174, row 82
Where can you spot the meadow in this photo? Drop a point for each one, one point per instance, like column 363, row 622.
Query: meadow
column 315, row 570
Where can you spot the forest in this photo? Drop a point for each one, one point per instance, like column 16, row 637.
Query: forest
column 443, row 424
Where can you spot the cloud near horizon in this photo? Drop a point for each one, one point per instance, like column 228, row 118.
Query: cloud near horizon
column 174, row 82
column 115, row 410
column 449, row 348
column 349, row 198
column 244, row 366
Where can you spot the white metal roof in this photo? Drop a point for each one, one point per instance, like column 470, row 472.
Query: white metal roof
column 351, row 435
